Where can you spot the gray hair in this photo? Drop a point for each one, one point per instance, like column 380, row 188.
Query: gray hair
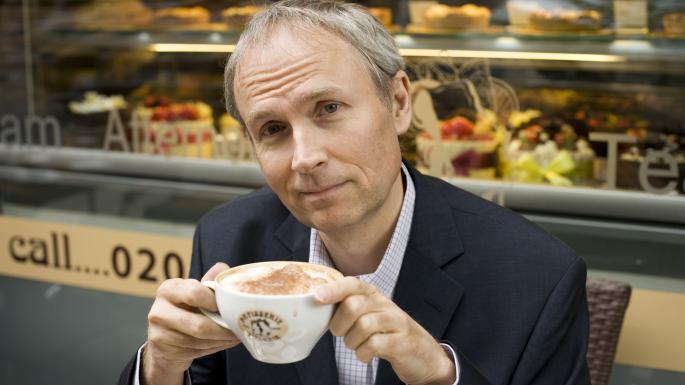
column 349, row 22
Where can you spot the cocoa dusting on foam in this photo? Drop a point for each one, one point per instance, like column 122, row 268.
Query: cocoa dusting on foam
column 290, row 279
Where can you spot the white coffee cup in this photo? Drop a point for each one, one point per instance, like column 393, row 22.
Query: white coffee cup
column 275, row 328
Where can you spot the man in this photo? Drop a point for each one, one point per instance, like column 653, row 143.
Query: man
column 441, row 287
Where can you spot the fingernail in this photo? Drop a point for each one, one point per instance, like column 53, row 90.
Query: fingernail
column 322, row 294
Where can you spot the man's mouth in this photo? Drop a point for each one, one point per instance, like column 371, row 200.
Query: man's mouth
column 321, row 191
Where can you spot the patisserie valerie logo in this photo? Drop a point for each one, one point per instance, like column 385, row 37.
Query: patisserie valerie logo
column 262, row 325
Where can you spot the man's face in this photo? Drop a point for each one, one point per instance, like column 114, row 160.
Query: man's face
column 326, row 143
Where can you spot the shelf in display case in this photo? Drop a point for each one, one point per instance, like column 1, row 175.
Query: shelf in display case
column 138, row 38
column 580, row 202
column 595, row 52
column 600, row 50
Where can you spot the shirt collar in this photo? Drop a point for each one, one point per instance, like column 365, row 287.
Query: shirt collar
column 385, row 276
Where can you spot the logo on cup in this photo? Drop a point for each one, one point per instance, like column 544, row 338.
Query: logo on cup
column 262, row 325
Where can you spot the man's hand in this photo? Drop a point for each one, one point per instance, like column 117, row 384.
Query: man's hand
column 178, row 333
column 372, row 325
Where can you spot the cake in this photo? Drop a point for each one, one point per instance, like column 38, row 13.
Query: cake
column 237, row 17
column 384, row 15
column 674, row 23
column 465, row 148
column 175, row 128
column 182, row 16
column 88, row 123
column 94, row 102
column 547, row 150
column 465, row 17
column 107, row 14
column 659, row 149
column 565, row 20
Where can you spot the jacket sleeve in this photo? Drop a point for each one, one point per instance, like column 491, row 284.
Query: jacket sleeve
column 126, row 377
column 557, row 347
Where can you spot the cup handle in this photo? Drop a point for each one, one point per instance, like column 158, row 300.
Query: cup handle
column 213, row 316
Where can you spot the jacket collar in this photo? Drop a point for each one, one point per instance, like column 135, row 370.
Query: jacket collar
column 434, row 233
column 295, row 237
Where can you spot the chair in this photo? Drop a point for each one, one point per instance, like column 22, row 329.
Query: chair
column 607, row 303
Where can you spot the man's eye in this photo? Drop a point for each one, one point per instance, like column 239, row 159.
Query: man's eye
column 330, row 108
column 272, row 129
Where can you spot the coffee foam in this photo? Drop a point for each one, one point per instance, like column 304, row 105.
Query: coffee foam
column 251, row 276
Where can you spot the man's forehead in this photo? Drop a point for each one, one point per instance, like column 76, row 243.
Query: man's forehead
column 289, row 56
column 290, row 40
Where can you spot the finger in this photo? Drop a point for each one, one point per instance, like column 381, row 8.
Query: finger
column 337, row 291
column 374, row 346
column 214, row 271
column 172, row 337
column 166, row 314
column 187, row 292
column 366, row 326
column 215, row 350
column 352, row 308
column 176, row 353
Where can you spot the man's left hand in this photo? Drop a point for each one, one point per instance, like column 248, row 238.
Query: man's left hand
column 374, row 326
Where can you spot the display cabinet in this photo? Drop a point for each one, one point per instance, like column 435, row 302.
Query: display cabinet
column 112, row 112
column 592, row 110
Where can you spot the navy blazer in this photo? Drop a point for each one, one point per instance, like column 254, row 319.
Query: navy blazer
column 508, row 297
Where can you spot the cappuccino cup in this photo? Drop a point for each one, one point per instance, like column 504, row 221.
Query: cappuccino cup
column 270, row 307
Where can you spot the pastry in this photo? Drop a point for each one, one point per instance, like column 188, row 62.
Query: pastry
column 88, row 122
column 175, row 128
column 466, row 17
column 519, row 11
column 232, row 142
column 565, row 20
column 237, row 17
column 182, row 16
column 674, row 23
column 107, row 14
column 94, row 102
column 384, row 15
column 655, row 148
column 465, row 148
column 547, row 150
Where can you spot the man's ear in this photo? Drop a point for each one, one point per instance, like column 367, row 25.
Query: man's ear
column 401, row 102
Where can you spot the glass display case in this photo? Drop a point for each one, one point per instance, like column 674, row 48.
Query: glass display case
column 569, row 112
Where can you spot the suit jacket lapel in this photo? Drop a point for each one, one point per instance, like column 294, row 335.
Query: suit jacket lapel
column 320, row 367
column 295, row 237
column 424, row 290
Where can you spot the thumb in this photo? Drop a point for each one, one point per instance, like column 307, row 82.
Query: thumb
column 214, row 271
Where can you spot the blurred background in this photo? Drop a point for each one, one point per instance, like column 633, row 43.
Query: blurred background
column 114, row 141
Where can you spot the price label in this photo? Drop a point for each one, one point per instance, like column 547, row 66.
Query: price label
column 96, row 258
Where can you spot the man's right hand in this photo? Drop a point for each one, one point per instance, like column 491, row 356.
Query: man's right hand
column 178, row 333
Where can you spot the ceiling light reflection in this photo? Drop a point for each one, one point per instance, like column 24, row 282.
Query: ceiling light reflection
column 180, row 47
column 418, row 52
column 469, row 54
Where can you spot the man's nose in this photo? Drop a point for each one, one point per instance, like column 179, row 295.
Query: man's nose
column 309, row 150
